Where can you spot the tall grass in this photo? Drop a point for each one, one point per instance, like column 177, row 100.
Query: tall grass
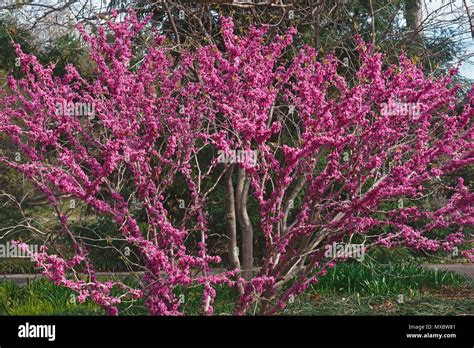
column 383, row 279
column 350, row 279
column 41, row 297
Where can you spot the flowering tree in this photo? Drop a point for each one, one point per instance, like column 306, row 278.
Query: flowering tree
column 322, row 160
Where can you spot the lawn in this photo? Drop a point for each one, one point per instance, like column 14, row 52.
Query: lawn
column 353, row 288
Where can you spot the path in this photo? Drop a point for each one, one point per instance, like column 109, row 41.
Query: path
column 462, row 268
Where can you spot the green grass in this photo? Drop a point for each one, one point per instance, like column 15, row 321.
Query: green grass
column 373, row 288
column 351, row 288
column 385, row 279
column 41, row 297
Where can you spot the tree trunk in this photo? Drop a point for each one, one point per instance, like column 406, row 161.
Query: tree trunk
column 231, row 221
column 233, row 250
column 243, row 186
column 414, row 17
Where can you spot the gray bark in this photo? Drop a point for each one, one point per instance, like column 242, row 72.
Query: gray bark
column 243, row 186
column 414, row 17
column 233, row 250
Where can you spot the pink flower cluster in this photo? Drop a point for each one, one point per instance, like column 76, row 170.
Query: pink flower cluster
column 330, row 164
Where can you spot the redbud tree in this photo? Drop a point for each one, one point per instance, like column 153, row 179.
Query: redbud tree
column 306, row 158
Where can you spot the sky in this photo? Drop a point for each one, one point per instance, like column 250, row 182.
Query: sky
column 446, row 11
